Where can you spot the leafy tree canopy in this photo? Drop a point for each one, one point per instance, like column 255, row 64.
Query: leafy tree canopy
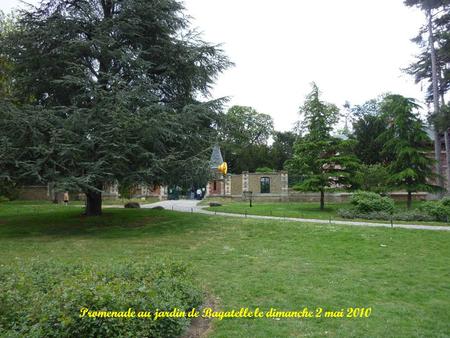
column 243, row 125
column 109, row 91
column 244, row 134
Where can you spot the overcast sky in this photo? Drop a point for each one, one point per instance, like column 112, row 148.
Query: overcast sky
column 353, row 49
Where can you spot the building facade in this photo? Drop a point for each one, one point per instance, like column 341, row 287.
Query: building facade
column 271, row 186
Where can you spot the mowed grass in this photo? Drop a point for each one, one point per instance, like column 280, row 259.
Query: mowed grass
column 300, row 210
column 279, row 209
column 403, row 275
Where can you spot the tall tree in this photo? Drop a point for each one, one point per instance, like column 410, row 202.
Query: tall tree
column 115, row 90
column 411, row 169
column 323, row 160
column 430, row 59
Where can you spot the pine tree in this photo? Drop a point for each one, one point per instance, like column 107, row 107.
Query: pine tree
column 322, row 160
column 410, row 169
column 432, row 64
column 109, row 91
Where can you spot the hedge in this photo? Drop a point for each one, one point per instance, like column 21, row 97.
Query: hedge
column 43, row 299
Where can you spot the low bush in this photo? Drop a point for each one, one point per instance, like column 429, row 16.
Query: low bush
column 367, row 202
column 132, row 205
column 374, row 215
column 445, row 201
column 411, row 215
column 264, row 170
column 9, row 190
column 439, row 210
column 44, row 299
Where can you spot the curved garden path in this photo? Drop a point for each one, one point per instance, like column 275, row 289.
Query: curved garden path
column 192, row 206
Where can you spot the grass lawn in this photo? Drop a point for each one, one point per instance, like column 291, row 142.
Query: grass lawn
column 298, row 209
column 403, row 275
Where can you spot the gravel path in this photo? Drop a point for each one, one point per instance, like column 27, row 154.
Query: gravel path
column 192, row 206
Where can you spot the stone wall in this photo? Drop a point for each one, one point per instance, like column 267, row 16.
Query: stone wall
column 236, row 185
column 340, row 197
column 34, row 192
column 255, row 183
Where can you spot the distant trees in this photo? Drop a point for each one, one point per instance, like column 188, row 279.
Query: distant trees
column 244, row 134
column 282, row 148
column 368, row 125
column 248, row 140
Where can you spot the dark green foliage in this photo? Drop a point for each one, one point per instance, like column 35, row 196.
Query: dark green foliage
column 244, row 135
column 318, row 117
column 114, row 91
column 264, row 170
column 365, row 202
column 367, row 127
column 410, row 169
column 322, row 160
column 439, row 210
column 367, row 205
column 246, row 157
column 282, row 148
column 323, row 164
column 352, row 213
column 421, row 68
column 8, row 190
column 445, row 201
column 442, row 120
column 372, row 178
column 244, row 125
column 411, row 215
column 44, row 299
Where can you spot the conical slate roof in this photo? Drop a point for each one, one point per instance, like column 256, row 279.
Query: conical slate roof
column 216, row 157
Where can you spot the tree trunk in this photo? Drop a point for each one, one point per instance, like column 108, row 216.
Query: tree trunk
column 434, row 81
column 409, row 200
column 447, row 152
column 93, row 203
column 322, row 199
column 446, row 134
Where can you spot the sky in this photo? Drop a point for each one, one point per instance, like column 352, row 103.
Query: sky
column 353, row 49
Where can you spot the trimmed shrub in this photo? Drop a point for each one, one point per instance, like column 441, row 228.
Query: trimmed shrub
column 44, row 299
column 412, row 215
column 374, row 215
column 265, row 170
column 366, row 202
column 346, row 213
column 132, row 205
column 445, row 201
column 439, row 210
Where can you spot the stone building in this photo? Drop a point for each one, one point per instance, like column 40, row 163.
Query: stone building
column 262, row 186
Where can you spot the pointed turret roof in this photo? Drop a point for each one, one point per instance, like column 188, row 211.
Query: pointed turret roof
column 216, row 157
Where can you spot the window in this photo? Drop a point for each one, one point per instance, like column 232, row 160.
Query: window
column 265, row 185
column 215, row 186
